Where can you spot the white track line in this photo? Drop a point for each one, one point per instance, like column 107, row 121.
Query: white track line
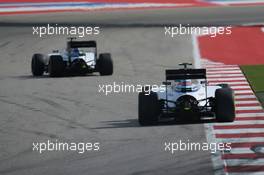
column 243, row 91
column 239, row 131
column 250, row 115
column 248, row 102
column 240, row 87
column 246, row 173
column 230, row 83
column 86, row 6
column 249, row 108
column 196, row 52
column 242, row 122
column 239, row 162
column 223, row 72
column 225, row 76
column 239, row 140
column 220, row 66
column 245, row 96
column 225, row 79
column 223, row 69
column 240, row 151
column 238, row 2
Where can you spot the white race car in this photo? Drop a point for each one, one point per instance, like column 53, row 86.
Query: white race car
column 186, row 96
column 79, row 57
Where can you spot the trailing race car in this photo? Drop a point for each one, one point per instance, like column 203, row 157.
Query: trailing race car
column 186, row 95
column 79, row 57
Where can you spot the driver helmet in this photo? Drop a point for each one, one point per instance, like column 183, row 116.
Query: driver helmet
column 185, row 85
column 75, row 52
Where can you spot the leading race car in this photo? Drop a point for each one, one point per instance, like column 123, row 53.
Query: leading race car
column 79, row 57
column 186, row 96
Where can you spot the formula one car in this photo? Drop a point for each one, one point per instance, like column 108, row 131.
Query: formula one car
column 79, row 57
column 186, row 95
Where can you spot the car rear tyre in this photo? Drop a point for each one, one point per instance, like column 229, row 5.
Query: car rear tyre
column 225, row 105
column 148, row 109
column 105, row 64
column 56, row 66
column 37, row 64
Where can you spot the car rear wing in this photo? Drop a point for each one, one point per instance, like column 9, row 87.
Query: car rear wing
column 79, row 44
column 182, row 74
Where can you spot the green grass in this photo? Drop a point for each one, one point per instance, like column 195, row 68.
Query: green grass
column 255, row 76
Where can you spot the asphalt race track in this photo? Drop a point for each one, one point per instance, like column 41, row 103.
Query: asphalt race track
column 230, row 15
column 71, row 109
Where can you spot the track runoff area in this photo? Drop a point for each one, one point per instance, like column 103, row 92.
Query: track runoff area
column 246, row 134
column 9, row 7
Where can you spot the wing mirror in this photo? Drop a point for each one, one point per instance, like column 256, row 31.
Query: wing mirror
column 166, row 83
column 205, row 82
